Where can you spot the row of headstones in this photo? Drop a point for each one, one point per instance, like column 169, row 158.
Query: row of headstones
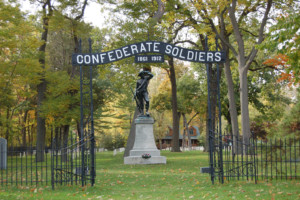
column 115, row 150
column 3, row 153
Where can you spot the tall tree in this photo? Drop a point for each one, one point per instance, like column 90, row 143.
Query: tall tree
column 18, row 70
column 244, row 60
column 47, row 12
column 190, row 101
column 48, row 7
column 247, row 21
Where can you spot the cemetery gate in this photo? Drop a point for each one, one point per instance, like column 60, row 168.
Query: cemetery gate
column 73, row 157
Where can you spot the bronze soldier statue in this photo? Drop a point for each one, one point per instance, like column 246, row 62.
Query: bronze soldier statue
column 141, row 91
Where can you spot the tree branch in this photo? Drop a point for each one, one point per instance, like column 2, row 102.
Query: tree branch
column 187, row 41
column 237, row 33
column 193, row 117
column 160, row 11
column 82, row 11
column 216, row 31
column 260, row 35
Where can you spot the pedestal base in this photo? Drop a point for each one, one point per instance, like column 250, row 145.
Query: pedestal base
column 144, row 144
column 136, row 160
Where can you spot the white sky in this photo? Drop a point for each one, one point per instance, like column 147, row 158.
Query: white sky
column 92, row 13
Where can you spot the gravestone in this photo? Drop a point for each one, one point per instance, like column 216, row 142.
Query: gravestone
column 3, row 153
column 144, row 150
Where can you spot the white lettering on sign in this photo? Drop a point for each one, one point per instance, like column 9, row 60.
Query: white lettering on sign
column 218, row 56
column 110, row 56
column 87, row 59
column 190, row 55
column 175, row 51
column 168, row 49
column 202, row 56
column 125, row 51
column 143, row 48
column 210, row 56
column 119, row 54
column 148, row 47
column 102, row 57
column 142, row 58
column 156, row 58
column 155, row 46
column 95, row 58
column 134, row 49
column 180, row 55
column 79, row 59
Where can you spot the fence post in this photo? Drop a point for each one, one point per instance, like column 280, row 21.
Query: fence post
column 221, row 173
column 92, row 138
column 52, row 162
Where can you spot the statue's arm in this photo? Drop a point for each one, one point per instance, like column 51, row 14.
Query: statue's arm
column 150, row 75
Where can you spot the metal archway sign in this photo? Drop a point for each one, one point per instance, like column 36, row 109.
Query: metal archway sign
column 141, row 52
column 160, row 48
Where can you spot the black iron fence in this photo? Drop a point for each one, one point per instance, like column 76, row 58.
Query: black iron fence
column 21, row 167
column 267, row 159
column 66, row 162
column 73, row 162
column 278, row 159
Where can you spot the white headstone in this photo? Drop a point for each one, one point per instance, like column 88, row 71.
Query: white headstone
column 3, row 153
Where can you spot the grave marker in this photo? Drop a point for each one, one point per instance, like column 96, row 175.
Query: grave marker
column 3, row 153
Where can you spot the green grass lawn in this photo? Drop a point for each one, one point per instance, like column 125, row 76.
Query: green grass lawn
column 180, row 178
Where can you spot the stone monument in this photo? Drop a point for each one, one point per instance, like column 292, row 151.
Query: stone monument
column 144, row 150
column 3, row 153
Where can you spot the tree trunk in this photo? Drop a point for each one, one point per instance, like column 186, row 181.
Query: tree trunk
column 28, row 134
column 7, row 124
column 23, row 131
column 245, row 61
column 232, row 104
column 41, row 124
column 184, row 131
column 160, row 144
column 188, row 134
column 244, row 105
column 175, row 114
column 65, row 137
column 41, row 88
column 131, row 136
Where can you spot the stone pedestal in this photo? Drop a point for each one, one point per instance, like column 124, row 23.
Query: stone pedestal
column 144, row 144
column 3, row 153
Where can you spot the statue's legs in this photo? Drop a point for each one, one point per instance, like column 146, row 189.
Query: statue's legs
column 146, row 98
column 141, row 103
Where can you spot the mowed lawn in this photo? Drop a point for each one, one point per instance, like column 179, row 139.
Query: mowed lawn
column 180, row 178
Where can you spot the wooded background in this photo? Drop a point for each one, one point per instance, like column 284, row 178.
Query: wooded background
column 39, row 87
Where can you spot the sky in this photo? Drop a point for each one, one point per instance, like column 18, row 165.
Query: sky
column 92, row 13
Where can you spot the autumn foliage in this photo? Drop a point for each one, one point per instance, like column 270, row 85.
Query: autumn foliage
column 279, row 62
